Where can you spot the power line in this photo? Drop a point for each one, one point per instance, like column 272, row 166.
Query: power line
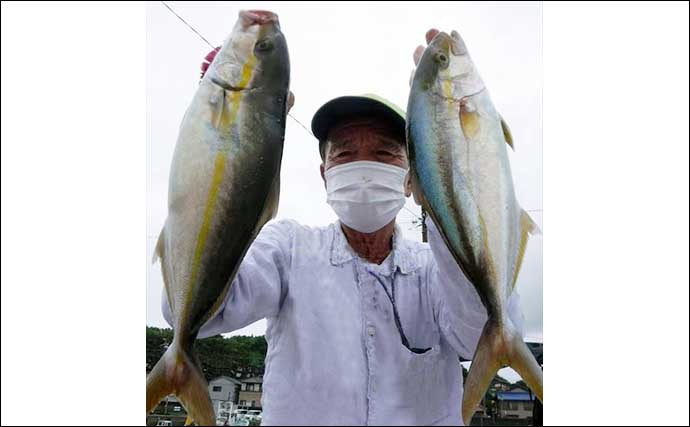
column 410, row 211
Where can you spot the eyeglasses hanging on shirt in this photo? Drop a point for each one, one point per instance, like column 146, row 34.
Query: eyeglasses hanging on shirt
column 391, row 297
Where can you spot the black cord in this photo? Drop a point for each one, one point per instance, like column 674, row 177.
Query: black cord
column 391, row 297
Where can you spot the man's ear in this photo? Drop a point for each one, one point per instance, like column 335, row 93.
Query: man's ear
column 408, row 185
column 322, row 168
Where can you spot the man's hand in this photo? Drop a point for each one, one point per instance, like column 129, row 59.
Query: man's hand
column 208, row 59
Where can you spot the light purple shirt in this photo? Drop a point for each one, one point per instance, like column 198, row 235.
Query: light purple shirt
column 335, row 356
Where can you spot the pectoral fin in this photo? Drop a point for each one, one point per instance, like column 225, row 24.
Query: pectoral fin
column 507, row 134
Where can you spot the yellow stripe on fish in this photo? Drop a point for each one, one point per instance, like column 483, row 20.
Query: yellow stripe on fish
column 226, row 122
column 448, row 90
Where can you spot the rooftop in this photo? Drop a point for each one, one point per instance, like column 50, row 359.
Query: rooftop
column 515, row 396
column 253, row 380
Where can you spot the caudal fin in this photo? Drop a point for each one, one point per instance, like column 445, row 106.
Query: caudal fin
column 177, row 374
column 498, row 347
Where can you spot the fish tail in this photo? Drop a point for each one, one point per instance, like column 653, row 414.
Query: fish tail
column 498, row 347
column 177, row 373
column 524, row 363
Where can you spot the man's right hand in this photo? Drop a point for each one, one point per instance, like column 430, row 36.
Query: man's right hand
column 208, row 59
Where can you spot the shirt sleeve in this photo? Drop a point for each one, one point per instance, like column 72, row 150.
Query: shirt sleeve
column 458, row 310
column 260, row 284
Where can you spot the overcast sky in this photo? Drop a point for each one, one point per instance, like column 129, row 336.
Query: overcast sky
column 349, row 49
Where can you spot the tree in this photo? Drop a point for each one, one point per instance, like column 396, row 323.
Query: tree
column 218, row 355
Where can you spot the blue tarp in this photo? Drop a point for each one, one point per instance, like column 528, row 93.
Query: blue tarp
column 514, row 395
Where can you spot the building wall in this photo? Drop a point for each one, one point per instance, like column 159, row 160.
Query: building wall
column 227, row 391
column 248, row 396
column 515, row 409
column 169, row 409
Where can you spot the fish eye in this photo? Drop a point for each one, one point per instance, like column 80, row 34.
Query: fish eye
column 441, row 58
column 264, row 45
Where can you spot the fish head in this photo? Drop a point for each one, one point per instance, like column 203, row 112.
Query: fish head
column 254, row 55
column 446, row 68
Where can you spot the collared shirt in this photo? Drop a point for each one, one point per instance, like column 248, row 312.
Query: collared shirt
column 335, row 355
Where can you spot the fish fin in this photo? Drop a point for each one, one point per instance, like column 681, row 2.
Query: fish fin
column 507, row 134
column 176, row 373
column 532, row 227
column 524, row 363
column 217, row 100
column 527, row 227
column 470, row 122
column 158, row 252
column 498, row 347
column 485, row 365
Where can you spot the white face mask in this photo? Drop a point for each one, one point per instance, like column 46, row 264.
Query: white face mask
column 366, row 195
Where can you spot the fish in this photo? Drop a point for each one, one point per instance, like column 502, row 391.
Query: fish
column 461, row 176
column 224, row 185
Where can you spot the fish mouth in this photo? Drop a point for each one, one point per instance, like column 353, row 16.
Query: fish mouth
column 228, row 86
column 258, row 17
column 450, row 43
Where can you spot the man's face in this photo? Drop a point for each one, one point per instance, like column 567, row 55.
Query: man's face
column 364, row 139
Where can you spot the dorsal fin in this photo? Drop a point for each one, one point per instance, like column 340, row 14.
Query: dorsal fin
column 527, row 227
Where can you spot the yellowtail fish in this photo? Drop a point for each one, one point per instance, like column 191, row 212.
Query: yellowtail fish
column 461, row 175
column 224, row 186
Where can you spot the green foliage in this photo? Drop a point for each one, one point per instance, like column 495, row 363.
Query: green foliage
column 157, row 340
column 218, row 355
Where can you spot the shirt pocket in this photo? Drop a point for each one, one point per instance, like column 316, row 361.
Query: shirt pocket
column 423, row 336
column 424, row 384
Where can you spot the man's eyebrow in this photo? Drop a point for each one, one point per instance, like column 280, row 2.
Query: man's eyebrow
column 390, row 143
column 340, row 143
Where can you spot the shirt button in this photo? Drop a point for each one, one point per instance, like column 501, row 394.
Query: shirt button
column 371, row 331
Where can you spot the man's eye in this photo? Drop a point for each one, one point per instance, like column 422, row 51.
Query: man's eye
column 384, row 153
column 343, row 154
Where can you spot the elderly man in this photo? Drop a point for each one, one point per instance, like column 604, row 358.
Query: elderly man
column 364, row 327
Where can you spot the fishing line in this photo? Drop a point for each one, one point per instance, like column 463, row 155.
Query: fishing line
column 213, row 47
column 188, row 25
column 291, row 116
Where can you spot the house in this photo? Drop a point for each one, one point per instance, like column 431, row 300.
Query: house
column 515, row 404
column 518, row 386
column 500, row 384
column 250, row 393
column 169, row 409
column 224, row 389
column 224, row 392
column 486, row 407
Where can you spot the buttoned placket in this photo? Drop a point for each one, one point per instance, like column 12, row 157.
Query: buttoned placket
column 369, row 291
column 368, row 296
